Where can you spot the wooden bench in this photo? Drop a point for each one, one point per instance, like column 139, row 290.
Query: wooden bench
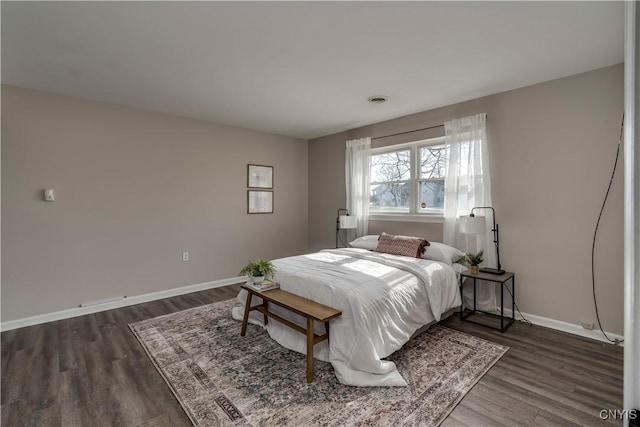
column 304, row 307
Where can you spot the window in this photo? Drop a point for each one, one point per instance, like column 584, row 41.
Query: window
column 433, row 169
column 409, row 178
column 390, row 181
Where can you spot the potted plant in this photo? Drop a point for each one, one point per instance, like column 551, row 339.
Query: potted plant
column 258, row 270
column 473, row 260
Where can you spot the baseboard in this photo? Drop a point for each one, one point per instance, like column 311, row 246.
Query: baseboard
column 571, row 328
column 137, row 299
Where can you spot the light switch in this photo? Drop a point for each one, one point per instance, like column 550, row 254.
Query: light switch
column 49, row 195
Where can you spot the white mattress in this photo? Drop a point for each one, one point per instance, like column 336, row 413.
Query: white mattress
column 384, row 300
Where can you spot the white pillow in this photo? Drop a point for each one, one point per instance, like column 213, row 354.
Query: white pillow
column 435, row 251
column 441, row 252
column 369, row 242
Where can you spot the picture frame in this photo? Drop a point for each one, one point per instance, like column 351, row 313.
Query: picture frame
column 259, row 176
column 259, row 202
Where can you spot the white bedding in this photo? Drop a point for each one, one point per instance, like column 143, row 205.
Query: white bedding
column 384, row 299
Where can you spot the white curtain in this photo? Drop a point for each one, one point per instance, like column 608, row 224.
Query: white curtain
column 468, row 185
column 357, row 161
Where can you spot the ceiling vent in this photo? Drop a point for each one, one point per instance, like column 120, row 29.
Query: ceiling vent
column 377, row 99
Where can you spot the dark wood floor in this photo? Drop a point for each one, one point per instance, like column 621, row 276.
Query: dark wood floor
column 91, row 371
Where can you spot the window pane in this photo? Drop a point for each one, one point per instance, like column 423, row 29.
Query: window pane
column 433, row 161
column 394, row 166
column 432, row 196
column 390, row 197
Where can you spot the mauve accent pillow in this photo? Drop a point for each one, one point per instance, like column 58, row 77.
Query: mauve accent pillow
column 401, row 245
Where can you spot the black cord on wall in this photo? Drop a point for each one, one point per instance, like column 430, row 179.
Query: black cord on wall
column 595, row 234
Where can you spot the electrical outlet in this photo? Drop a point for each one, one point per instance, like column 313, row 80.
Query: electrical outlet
column 185, row 257
column 588, row 325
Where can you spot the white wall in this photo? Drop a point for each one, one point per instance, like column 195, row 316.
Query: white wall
column 552, row 147
column 134, row 190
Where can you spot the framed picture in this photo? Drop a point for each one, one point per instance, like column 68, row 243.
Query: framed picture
column 259, row 176
column 259, row 202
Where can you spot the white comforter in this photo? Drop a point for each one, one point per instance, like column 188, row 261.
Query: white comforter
column 384, row 299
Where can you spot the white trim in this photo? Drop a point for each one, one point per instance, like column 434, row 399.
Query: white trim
column 153, row 296
column 631, row 394
column 559, row 325
column 102, row 301
column 137, row 299
column 395, row 147
column 407, row 218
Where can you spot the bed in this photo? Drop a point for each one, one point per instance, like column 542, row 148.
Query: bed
column 384, row 300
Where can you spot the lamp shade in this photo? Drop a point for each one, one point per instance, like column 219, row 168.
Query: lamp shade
column 473, row 224
column 348, row 221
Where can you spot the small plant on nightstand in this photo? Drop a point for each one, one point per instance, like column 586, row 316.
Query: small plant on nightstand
column 258, row 270
column 473, row 260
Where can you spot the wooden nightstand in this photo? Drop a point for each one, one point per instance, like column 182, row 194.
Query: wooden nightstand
column 502, row 279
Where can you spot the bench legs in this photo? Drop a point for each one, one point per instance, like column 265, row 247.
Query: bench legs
column 326, row 328
column 265, row 304
column 310, row 343
column 247, row 309
column 312, row 339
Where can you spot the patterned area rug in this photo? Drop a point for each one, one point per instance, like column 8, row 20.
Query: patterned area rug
column 223, row 379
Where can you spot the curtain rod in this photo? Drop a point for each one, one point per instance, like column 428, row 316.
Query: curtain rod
column 409, row 131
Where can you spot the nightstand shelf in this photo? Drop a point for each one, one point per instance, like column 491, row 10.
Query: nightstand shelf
column 503, row 280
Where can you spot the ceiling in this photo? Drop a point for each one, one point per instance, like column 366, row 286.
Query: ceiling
column 302, row 69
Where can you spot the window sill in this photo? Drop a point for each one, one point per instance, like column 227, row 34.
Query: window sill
column 437, row 219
